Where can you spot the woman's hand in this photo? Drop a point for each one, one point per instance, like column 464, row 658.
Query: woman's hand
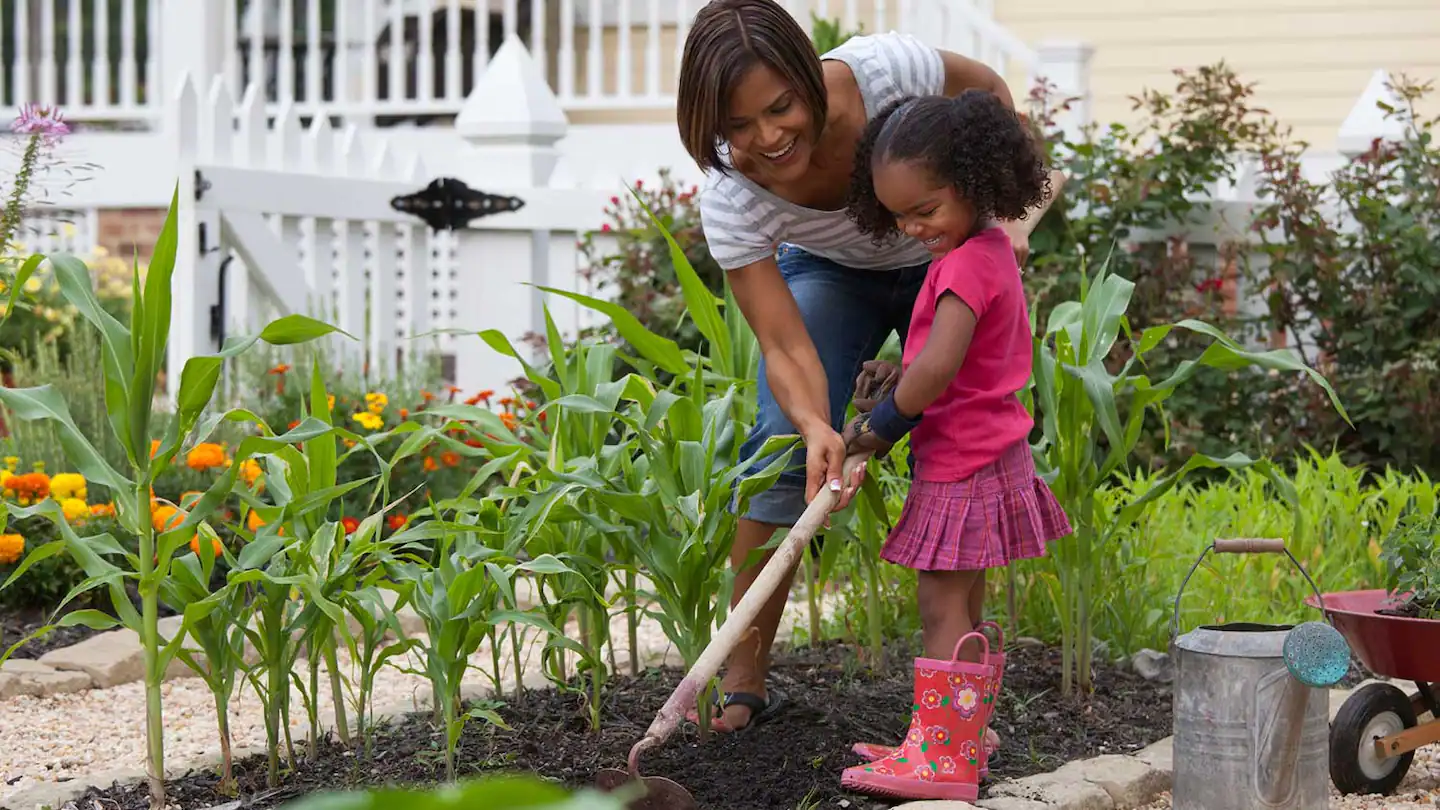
column 824, row 466
column 876, row 379
column 1019, row 232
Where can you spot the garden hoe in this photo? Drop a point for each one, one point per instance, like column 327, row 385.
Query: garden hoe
column 664, row 794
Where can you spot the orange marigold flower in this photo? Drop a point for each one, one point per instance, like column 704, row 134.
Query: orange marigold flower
column 396, row 521
column 154, row 447
column 450, row 458
column 205, row 456
column 29, row 488
column 294, row 423
column 427, row 396
column 506, row 402
column 473, row 443
column 166, row 517
column 250, row 471
column 102, row 510
column 253, row 523
column 475, row 400
column 215, row 546
column 349, row 524
column 509, row 420
column 429, row 464
column 280, row 369
column 531, row 404
column 12, row 547
column 404, row 413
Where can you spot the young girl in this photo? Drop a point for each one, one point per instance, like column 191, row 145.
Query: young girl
column 943, row 170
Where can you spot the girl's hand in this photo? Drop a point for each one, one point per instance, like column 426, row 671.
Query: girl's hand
column 859, row 438
column 876, row 379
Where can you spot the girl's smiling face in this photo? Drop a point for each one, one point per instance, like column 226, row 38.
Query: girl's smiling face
column 923, row 208
column 770, row 125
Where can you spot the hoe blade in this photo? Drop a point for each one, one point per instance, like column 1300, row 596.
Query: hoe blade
column 660, row 793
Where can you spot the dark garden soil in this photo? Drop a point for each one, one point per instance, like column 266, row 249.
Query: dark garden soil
column 16, row 624
column 793, row 760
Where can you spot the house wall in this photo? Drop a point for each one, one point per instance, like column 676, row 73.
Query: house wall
column 1310, row 58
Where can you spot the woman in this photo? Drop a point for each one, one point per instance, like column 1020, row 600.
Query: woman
column 775, row 127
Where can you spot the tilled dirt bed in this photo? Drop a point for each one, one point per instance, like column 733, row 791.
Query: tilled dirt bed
column 792, row 761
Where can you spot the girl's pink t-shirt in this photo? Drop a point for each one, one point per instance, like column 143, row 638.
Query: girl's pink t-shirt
column 979, row 415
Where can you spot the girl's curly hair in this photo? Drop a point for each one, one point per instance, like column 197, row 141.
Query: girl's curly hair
column 973, row 142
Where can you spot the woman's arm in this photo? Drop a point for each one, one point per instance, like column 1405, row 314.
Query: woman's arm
column 793, row 369
column 940, row 358
column 963, row 73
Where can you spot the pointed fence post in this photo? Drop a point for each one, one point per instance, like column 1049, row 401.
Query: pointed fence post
column 1367, row 122
column 511, row 123
column 1067, row 66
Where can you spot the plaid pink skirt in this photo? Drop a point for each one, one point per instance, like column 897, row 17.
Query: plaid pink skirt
column 1002, row 513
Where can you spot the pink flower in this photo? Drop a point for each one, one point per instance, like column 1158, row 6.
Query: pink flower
column 931, row 699
column 970, row 752
column 966, row 702
column 925, row 773
column 947, row 765
column 45, row 122
column 939, row 735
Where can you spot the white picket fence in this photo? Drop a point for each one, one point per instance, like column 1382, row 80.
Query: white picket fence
column 111, row 60
column 277, row 220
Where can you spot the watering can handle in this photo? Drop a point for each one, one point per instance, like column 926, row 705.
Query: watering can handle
column 1241, row 546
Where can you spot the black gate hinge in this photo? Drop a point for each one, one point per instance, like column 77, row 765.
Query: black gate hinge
column 448, row 204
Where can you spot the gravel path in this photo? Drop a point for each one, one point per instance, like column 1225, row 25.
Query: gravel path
column 1419, row 791
column 102, row 731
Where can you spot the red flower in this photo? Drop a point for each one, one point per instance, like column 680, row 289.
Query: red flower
column 349, row 524
column 396, row 522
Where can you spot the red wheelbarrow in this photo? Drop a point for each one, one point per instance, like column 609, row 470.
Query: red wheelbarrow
column 1374, row 737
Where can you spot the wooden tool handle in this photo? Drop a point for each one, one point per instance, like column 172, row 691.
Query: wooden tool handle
column 742, row 617
column 1248, row 545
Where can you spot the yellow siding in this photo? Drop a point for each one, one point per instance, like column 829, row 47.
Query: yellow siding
column 1310, row 59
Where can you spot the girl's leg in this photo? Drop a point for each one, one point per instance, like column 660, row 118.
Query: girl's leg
column 945, row 612
column 976, row 604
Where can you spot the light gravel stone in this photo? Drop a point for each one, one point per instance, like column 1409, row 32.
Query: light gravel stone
column 936, row 805
column 1011, row 803
column 1129, row 781
column 34, row 679
column 1160, row 756
column 1060, row 791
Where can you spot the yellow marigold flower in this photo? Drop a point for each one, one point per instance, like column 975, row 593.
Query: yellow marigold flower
column 376, row 402
column 330, row 401
column 11, row 462
column 68, row 485
column 254, row 522
column 206, row 455
column 12, row 546
column 250, row 471
column 74, row 509
column 369, row 420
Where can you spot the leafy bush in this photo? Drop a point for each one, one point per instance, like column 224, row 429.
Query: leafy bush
column 1411, row 554
column 1351, row 278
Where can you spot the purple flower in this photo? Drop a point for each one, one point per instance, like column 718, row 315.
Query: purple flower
column 45, row 122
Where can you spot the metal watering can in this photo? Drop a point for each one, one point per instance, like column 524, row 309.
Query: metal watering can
column 1249, row 733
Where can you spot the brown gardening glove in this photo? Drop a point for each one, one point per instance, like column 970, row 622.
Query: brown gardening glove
column 876, row 380
column 858, row 438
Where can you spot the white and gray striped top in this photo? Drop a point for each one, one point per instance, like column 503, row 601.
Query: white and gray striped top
column 745, row 223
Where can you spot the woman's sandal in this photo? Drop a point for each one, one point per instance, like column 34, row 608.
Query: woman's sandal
column 762, row 709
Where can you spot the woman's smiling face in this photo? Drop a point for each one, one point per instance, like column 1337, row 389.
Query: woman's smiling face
column 770, row 126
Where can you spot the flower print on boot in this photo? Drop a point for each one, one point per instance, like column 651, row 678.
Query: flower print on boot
column 939, row 758
column 873, row 751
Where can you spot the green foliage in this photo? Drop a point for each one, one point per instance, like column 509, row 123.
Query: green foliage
column 1411, row 555
column 829, row 34
column 510, row 792
column 1351, row 277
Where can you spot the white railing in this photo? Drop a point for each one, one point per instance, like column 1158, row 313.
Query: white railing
column 58, row 230
column 397, row 60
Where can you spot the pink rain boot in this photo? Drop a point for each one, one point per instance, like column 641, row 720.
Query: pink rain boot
column 873, row 751
column 940, row 757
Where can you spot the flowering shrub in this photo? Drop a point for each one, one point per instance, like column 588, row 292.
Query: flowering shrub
column 629, row 259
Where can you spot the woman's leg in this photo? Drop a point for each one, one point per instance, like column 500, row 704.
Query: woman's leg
column 846, row 315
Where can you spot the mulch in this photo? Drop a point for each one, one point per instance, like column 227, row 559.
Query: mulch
column 793, row 760
column 18, row 624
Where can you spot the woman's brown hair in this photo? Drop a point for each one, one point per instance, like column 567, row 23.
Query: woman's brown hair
column 727, row 38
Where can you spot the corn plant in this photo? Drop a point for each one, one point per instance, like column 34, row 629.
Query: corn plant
column 1085, row 440
column 132, row 358
column 461, row 597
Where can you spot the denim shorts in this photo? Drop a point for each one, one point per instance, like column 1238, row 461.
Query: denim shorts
column 849, row 314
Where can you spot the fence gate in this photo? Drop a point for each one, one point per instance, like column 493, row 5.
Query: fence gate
column 277, row 218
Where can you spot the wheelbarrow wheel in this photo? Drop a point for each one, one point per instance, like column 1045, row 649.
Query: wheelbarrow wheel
column 1377, row 710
